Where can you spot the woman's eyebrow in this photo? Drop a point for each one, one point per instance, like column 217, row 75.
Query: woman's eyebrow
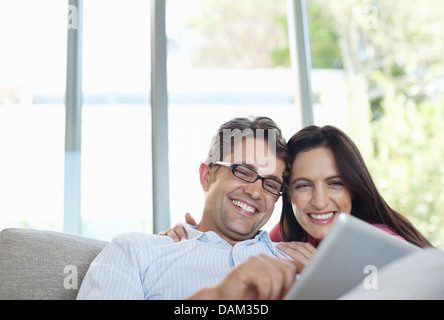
column 299, row 179
column 337, row 176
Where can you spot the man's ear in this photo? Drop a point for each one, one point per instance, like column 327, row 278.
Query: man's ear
column 205, row 176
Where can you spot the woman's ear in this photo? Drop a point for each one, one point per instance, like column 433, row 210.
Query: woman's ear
column 205, row 176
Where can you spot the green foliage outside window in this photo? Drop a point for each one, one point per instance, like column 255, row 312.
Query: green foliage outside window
column 391, row 54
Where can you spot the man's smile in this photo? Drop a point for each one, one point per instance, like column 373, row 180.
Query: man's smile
column 248, row 208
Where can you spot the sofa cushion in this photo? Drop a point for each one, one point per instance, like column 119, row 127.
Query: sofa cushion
column 37, row 264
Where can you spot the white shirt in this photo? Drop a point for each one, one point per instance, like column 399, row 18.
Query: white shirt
column 144, row 266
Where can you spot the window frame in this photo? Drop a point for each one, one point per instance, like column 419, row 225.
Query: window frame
column 301, row 65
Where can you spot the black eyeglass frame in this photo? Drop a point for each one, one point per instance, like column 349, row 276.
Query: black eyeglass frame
column 233, row 167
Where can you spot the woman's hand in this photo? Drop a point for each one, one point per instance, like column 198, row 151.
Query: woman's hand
column 178, row 232
column 299, row 251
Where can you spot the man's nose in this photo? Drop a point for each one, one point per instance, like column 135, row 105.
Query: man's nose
column 255, row 189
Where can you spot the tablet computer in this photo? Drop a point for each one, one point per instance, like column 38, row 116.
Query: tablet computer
column 350, row 255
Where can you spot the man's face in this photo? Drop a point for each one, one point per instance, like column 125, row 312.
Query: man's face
column 236, row 209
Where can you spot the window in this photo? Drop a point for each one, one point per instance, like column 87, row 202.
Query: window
column 225, row 60
column 32, row 114
column 378, row 75
column 116, row 116
column 116, row 183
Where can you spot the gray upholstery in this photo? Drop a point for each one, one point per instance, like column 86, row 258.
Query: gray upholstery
column 36, row 264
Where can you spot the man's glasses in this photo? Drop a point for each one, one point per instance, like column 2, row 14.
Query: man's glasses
column 249, row 175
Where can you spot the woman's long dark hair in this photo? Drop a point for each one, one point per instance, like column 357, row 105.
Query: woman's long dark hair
column 367, row 203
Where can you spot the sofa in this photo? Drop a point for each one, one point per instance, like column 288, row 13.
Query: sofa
column 44, row 265
column 49, row 265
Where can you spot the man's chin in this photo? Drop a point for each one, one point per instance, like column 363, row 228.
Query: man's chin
column 243, row 234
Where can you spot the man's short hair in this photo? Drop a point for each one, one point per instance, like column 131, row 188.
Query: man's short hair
column 231, row 131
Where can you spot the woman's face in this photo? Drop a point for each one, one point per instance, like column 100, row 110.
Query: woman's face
column 318, row 192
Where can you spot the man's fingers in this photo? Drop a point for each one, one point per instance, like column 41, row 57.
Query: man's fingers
column 190, row 220
column 273, row 277
column 177, row 233
column 260, row 277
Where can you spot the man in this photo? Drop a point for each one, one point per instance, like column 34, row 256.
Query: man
column 226, row 256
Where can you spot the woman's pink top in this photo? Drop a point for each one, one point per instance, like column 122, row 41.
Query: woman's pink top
column 276, row 236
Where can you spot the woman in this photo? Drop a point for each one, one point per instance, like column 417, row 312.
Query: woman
column 328, row 177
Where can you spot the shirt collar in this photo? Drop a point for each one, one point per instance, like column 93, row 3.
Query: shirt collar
column 264, row 237
column 211, row 236
column 192, row 232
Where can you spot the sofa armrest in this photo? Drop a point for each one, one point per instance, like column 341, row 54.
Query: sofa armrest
column 38, row 264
